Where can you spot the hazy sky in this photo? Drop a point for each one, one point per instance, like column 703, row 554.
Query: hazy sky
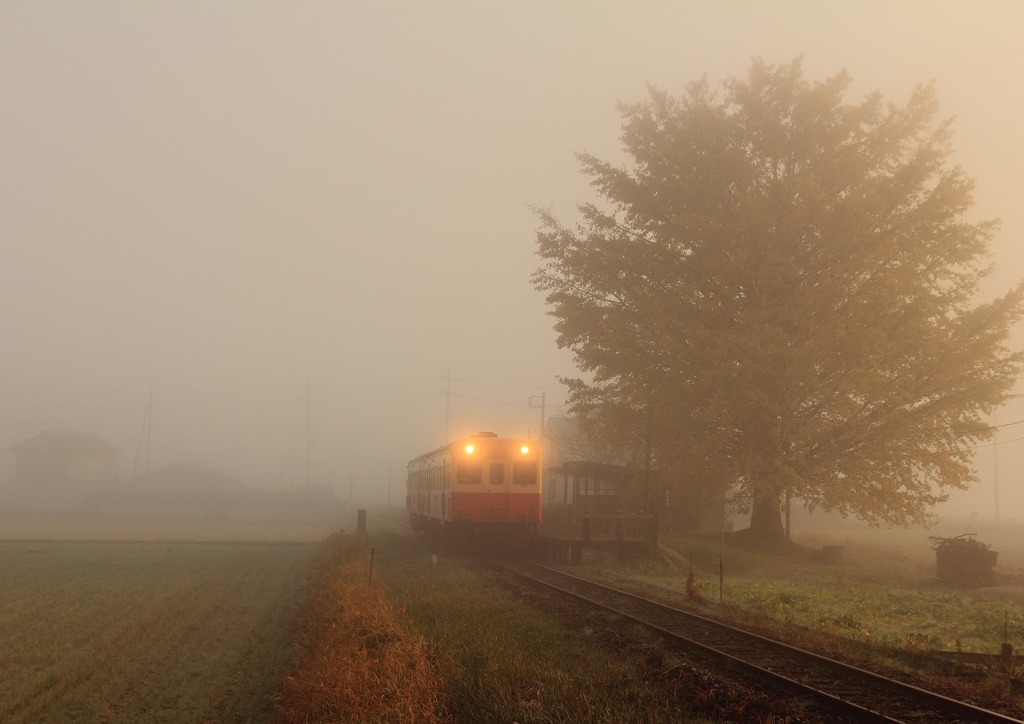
column 225, row 202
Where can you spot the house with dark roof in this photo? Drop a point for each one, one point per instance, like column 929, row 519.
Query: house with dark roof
column 61, row 457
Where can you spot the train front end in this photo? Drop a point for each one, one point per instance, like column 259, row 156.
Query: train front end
column 496, row 483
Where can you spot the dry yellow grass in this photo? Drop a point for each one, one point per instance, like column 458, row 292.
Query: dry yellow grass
column 357, row 662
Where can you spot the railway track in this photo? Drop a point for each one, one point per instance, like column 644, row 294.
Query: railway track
column 847, row 692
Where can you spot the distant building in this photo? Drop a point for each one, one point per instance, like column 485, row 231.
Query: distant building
column 188, row 491
column 64, row 457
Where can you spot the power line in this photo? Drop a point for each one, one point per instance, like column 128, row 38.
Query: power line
column 377, row 401
column 512, row 387
column 97, row 406
column 998, row 442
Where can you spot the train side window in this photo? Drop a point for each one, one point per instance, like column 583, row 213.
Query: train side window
column 524, row 472
column 471, row 472
column 496, row 476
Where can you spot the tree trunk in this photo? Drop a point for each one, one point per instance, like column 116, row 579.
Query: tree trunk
column 766, row 517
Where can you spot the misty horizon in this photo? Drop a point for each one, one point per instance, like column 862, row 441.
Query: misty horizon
column 302, row 237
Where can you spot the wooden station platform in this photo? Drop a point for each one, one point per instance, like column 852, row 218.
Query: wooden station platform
column 601, row 535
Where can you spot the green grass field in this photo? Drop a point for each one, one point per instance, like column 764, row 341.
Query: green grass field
column 884, row 591
column 154, row 631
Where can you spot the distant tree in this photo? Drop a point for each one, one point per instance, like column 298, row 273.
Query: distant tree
column 781, row 290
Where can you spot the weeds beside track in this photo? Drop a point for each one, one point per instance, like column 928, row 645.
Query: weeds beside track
column 357, row 661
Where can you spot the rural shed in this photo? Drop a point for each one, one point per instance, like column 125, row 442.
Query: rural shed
column 60, row 457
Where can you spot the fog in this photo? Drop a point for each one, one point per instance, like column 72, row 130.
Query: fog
column 304, row 230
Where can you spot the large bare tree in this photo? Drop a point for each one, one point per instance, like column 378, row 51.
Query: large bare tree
column 782, row 289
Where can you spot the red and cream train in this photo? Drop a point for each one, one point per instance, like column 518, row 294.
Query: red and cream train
column 477, row 484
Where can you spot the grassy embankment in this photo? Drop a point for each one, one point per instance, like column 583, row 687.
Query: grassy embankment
column 494, row 658
column 357, row 660
column 883, row 592
column 430, row 640
column 883, row 600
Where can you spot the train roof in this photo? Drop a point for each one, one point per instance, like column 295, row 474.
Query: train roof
column 457, row 441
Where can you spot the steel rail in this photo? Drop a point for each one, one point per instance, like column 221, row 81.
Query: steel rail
column 840, row 687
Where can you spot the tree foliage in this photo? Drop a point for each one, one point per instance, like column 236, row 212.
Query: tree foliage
column 781, row 290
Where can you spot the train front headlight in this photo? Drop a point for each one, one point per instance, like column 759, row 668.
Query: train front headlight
column 470, row 449
column 525, row 449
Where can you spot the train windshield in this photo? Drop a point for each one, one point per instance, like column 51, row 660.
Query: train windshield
column 524, row 472
column 470, row 472
column 497, row 474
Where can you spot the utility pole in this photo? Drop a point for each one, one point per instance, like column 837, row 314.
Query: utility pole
column 646, row 442
column 447, row 402
column 542, row 405
column 145, row 434
column 647, row 464
column 149, row 428
column 309, row 430
column 995, row 466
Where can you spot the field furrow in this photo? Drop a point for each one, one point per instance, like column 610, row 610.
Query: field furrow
column 142, row 631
